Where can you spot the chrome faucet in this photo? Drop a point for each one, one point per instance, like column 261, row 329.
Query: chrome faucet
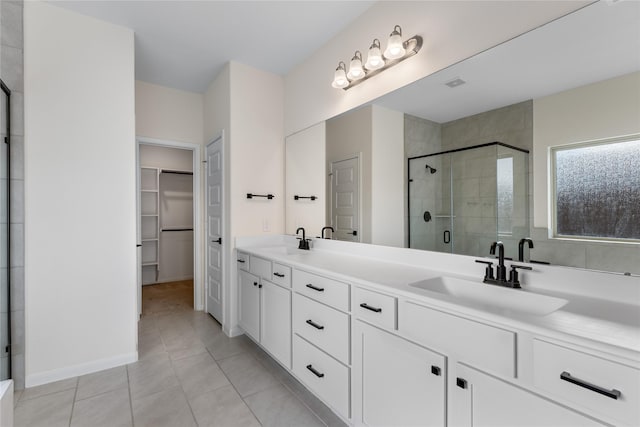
column 304, row 242
column 327, row 228
column 521, row 247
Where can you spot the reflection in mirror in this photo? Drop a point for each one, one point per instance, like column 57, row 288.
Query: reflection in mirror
column 462, row 200
column 573, row 80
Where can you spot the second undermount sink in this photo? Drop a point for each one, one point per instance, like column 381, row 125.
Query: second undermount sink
column 284, row 250
column 480, row 295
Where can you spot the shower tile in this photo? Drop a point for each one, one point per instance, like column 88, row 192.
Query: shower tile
column 11, row 68
column 17, row 157
column 16, row 214
column 17, row 245
column 11, row 24
column 17, row 114
column 17, row 332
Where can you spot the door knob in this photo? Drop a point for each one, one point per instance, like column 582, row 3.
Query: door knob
column 218, row 240
column 355, row 233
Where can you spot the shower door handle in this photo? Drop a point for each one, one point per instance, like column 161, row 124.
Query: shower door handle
column 446, row 236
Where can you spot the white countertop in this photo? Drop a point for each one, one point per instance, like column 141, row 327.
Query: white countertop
column 609, row 326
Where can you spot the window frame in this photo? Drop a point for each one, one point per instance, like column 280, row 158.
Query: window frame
column 553, row 197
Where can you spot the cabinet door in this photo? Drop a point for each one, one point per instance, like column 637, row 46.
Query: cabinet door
column 275, row 322
column 249, row 297
column 401, row 383
column 479, row 399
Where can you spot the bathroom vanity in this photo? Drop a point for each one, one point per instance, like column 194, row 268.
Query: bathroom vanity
column 391, row 336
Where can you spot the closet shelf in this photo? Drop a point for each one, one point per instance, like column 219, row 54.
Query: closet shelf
column 147, row 264
column 149, row 191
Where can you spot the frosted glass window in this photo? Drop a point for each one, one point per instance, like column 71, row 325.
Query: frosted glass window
column 597, row 190
column 505, row 194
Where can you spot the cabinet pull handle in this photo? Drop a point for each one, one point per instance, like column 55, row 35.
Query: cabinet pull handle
column 260, row 286
column 278, row 275
column 316, row 373
column 435, row 370
column 241, row 261
column 368, row 307
column 613, row 394
column 315, row 288
column 255, row 283
column 461, row 382
column 314, row 324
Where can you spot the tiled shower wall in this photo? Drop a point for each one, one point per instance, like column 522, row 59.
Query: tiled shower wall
column 11, row 71
column 513, row 125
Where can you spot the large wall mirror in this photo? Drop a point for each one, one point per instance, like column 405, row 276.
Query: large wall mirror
column 461, row 158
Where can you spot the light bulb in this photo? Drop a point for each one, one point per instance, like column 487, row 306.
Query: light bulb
column 395, row 49
column 340, row 77
column 374, row 57
column 356, row 72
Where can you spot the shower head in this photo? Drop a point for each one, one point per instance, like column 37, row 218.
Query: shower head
column 432, row 170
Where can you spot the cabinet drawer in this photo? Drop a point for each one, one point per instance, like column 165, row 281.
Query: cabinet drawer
column 281, row 275
column 327, row 377
column 586, row 377
column 243, row 261
column 373, row 307
column 260, row 267
column 483, row 346
column 323, row 326
column 323, row 289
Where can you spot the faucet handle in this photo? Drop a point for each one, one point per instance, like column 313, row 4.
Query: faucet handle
column 513, row 274
column 488, row 272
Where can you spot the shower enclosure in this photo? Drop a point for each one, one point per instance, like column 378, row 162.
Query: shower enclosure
column 460, row 201
column 5, row 296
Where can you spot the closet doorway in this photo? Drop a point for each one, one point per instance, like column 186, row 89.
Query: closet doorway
column 168, row 219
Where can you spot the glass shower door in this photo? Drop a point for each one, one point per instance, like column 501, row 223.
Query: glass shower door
column 5, row 319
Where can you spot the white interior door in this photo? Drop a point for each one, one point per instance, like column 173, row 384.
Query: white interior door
column 214, row 228
column 138, row 234
column 345, row 199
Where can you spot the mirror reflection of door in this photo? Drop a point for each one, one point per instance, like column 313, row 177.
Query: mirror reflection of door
column 345, row 199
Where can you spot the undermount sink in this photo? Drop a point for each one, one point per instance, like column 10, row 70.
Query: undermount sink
column 284, row 250
column 480, row 295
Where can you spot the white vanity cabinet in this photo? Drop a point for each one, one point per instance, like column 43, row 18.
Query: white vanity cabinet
column 264, row 306
column 322, row 340
column 249, row 297
column 396, row 381
column 480, row 399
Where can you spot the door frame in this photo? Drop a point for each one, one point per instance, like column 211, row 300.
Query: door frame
column 358, row 157
column 223, row 234
column 198, row 294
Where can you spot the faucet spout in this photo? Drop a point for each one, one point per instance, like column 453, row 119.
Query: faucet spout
column 326, row 228
column 304, row 242
column 529, row 242
column 501, row 270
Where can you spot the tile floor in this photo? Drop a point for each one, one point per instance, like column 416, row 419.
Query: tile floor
column 189, row 373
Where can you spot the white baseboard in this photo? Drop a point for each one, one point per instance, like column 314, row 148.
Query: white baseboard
column 232, row 332
column 40, row 378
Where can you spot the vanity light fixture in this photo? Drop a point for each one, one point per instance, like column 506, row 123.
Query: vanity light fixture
column 340, row 77
column 396, row 51
column 356, row 72
column 375, row 60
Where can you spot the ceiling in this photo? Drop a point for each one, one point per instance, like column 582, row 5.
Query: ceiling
column 184, row 44
column 595, row 43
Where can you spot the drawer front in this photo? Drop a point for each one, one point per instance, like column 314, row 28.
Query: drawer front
column 323, row 289
column 281, row 275
column 324, row 375
column 260, row 267
column 374, row 307
column 582, row 372
column 243, row 261
column 324, row 326
column 483, row 346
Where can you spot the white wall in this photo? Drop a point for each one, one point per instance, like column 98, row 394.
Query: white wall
column 306, row 176
column 168, row 114
column 388, row 178
column 246, row 105
column 452, row 31
column 601, row 110
column 349, row 135
column 80, row 241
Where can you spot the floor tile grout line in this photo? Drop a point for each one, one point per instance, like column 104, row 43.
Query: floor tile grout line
column 73, row 403
column 133, row 422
